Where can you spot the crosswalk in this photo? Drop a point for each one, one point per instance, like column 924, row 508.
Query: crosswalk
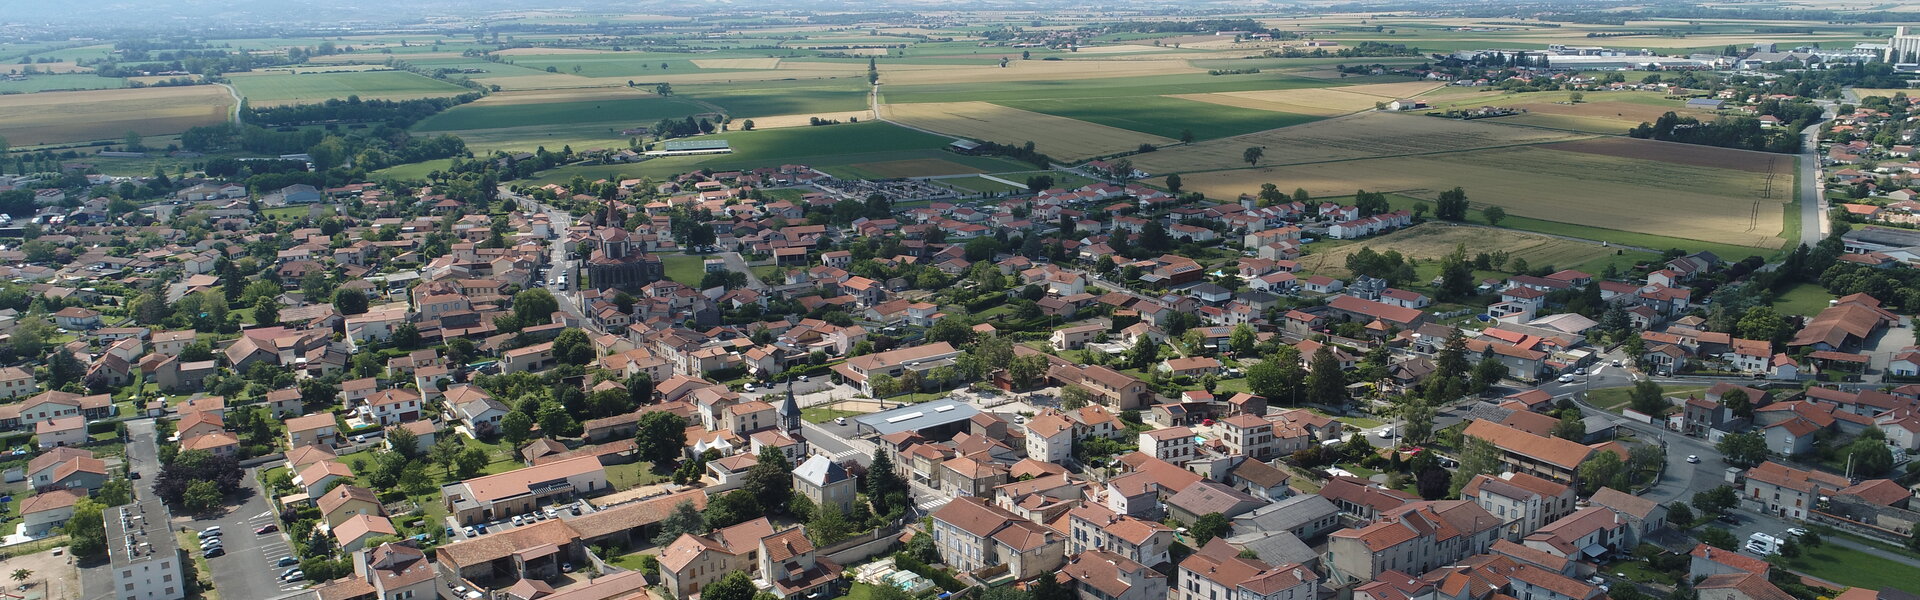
column 846, row 455
column 930, row 505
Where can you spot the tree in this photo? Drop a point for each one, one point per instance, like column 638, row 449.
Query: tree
column 572, row 347
column 1762, row 323
column 1868, row 457
column 660, row 436
column 1477, row 457
column 445, row 452
column 1242, row 340
column 471, row 461
column 1719, row 538
column 201, row 497
column 555, row 420
column 746, row 125
column 1207, row 527
column 1790, row 548
column 1075, row 398
column 886, row 491
column 1451, row 205
column 1027, row 370
column 769, row 481
column 1716, row 501
column 21, row 575
column 266, row 312
column 1680, row 515
column 1252, row 155
column 1049, row 588
column 403, row 442
column 534, row 306
column 1649, row 398
column 196, row 466
column 1604, row 469
column 87, row 530
column 1494, row 214
column 516, row 428
column 1487, row 372
column 735, row 586
column 1743, row 449
column 829, row 525
column 115, row 492
column 1419, row 421
column 350, row 301
column 1570, row 426
column 1173, row 183
column 1326, row 383
column 1186, row 136
column 950, row 330
column 684, row 519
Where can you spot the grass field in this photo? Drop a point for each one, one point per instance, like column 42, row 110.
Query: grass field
column 414, row 171
column 687, row 269
column 1060, row 137
column 277, row 88
column 1365, row 135
column 1846, row 566
column 1611, row 113
column 1167, row 116
column 1614, row 399
column 918, row 167
column 1806, row 299
column 624, row 112
column 781, row 98
column 1429, row 242
column 1723, row 206
column 54, row 117
column 48, row 83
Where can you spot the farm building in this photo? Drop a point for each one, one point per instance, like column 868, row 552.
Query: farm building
column 692, row 147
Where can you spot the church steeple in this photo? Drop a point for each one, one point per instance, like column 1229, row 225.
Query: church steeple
column 790, row 414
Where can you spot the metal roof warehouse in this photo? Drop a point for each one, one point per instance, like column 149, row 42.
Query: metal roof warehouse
column 917, row 417
column 687, row 147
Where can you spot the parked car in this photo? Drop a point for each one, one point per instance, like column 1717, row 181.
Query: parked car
column 1796, row 531
column 266, row 529
column 286, row 561
column 839, row 420
column 289, row 572
column 210, row 531
column 470, row 532
column 213, row 552
column 297, row 576
column 1566, row 378
column 1693, row 458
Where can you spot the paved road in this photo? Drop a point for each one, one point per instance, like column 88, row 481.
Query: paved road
column 738, row 264
column 1813, row 199
column 143, row 457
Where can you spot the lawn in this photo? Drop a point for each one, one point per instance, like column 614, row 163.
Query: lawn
column 688, row 269
column 627, row 112
column 1850, row 567
column 414, row 171
column 1168, row 117
column 632, row 475
column 1806, row 299
column 281, row 88
column 629, row 561
column 822, row 415
column 1616, row 399
column 48, row 83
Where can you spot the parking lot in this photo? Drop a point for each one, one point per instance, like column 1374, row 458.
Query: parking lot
column 564, row 511
column 248, row 569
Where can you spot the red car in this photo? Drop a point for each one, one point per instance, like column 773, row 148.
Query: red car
column 268, row 528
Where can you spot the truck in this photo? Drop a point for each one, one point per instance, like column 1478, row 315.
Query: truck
column 1763, row 544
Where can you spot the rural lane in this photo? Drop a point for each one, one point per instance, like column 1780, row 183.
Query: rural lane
column 1813, row 200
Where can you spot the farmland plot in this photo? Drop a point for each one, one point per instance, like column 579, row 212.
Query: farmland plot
column 54, row 117
column 1365, row 135
column 1059, row 137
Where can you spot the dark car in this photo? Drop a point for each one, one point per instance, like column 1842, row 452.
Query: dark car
column 267, row 528
column 133, row 475
column 214, row 551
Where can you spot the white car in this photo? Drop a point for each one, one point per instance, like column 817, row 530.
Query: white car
column 840, row 420
column 1796, row 531
column 1566, row 378
column 1693, row 458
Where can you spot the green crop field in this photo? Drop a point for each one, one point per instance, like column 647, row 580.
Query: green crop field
column 1114, row 87
column 49, row 83
column 764, row 99
column 624, row 64
column 626, row 111
column 1168, row 117
column 282, row 88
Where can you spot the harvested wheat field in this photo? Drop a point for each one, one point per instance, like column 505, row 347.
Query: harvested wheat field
column 1119, row 49
column 1031, row 70
column 1364, row 135
column 1724, row 206
column 1061, row 137
column 779, row 121
column 54, row 117
column 1686, row 154
column 1324, row 102
column 737, row 63
column 1434, row 240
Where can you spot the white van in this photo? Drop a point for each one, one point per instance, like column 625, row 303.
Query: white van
column 1763, row 544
